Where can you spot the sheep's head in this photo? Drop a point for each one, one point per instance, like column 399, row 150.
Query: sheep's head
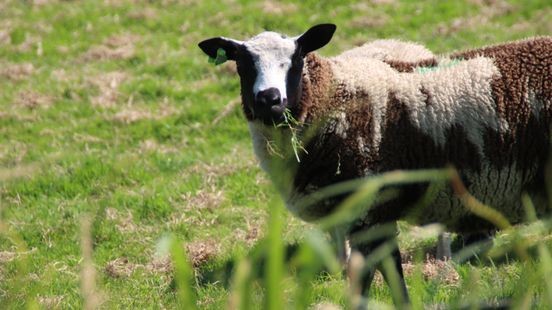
column 270, row 67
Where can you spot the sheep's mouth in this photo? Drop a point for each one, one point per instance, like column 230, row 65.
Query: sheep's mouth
column 273, row 115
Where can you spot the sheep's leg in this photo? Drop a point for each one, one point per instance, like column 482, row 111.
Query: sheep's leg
column 444, row 251
column 371, row 250
column 342, row 245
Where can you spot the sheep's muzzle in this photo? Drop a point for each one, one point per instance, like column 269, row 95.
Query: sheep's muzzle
column 269, row 106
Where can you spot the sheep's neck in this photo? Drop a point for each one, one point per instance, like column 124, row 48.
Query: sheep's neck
column 316, row 88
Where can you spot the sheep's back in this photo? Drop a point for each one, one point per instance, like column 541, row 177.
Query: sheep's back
column 487, row 112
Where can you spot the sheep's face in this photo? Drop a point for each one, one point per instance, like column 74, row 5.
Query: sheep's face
column 270, row 67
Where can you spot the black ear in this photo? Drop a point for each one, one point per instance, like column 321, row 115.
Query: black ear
column 316, row 37
column 210, row 47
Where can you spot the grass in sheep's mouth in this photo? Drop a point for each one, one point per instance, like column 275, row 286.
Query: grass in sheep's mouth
column 293, row 124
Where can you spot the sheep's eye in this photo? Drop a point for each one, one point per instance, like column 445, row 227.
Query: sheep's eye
column 282, row 65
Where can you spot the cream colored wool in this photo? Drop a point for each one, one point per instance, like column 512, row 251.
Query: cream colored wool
column 390, row 49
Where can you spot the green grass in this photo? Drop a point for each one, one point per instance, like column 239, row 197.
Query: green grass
column 114, row 123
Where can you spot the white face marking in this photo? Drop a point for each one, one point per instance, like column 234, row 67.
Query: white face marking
column 272, row 57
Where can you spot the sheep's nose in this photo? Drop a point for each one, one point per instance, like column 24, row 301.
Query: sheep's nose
column 269, row 97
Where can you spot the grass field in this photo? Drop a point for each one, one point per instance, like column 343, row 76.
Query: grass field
column 118, row 140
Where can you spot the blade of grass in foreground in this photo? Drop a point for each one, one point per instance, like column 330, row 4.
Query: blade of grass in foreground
column 183, row 276
column 275, row 264
column 544, row 254
column 307, row 266
column 240, row 297
column 365, row 192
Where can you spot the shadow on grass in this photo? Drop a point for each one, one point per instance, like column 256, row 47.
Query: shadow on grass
column 223, row 273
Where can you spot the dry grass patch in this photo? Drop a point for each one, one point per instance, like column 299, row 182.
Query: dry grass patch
column 16, row 72
column 120, row 268
column 32, row 100
column 277, row 8
column 7, row 256
column 42, row 2
column 379, row 2
column 50, row 302
column 121, row 40
column 61, row 75
column 107, row 84
column 432, row 270
column 13, row 152
column 203, row 199
column 161, row 265
column 238, row 159
column 252, row 233
column 369, row 18
column 143, row 14
column 128, row 116
column 124, row 220
column 5, row 37
column 123, row 268
column 103, row 52
column 488, row 11
column 326, row 306
column 373, row 21
column 151, row 145
column 132, row 114
column 118, row 47
column 200, row 252
column 179, row 218
column 435, row 270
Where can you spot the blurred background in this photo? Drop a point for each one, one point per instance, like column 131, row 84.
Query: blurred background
column 116, row 132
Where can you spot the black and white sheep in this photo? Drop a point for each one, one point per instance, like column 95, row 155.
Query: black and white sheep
column 486, row 111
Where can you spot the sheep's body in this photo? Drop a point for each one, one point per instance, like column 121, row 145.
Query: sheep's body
column 380, row 107
column 485, row 111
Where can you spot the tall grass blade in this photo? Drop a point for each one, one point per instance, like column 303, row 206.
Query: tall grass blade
column 394, row 280
column 545, row 264
column 275, row 261
column 240, row 297
column 324, row 251
column 307, row 266
column 365, row 191
column 183, row 276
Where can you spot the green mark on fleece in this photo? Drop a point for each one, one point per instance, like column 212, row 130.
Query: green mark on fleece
column 445, row 64
column 220, row 59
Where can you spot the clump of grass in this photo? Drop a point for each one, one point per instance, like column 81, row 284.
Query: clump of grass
column 293, row 125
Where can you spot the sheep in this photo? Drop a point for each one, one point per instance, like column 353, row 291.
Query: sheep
column 486, row 111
